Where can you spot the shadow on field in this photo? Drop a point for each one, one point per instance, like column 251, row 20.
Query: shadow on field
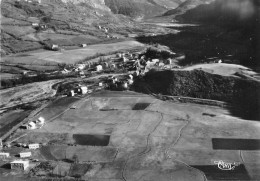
column 235, row 144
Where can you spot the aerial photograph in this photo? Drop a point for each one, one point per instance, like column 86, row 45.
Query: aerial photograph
column 130, row 90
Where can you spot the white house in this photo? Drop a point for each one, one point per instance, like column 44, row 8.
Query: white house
column 20, row 164
column 71, row 93
column 83, row 45
column 35, row 24
column 100, row 84
column 131, row 76
column 31, row 125
column 54, row 46
column 81, row 66
column 125, row 85
column 155, row 60
column 34, row 146
column 4, row 155
column 130, row 81
column 219, row 61
column 25, row 154
column 99, row 68
column 40, row 120
column 83, row 90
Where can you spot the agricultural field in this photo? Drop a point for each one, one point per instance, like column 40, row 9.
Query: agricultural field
column 131, row 136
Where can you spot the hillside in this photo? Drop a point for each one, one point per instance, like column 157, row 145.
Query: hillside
column 185, row 6
column 142, row 8
column 243, row 95
column 66, row 22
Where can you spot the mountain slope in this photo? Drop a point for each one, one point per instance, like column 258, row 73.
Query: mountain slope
column 141, row 8
column 186, row 5
column 68, row 23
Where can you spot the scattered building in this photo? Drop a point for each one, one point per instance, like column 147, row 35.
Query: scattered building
column 100, row 84
column 20, row 164
column 220, row 61
column 25, row 154
column 4, row 155
column 34, row 146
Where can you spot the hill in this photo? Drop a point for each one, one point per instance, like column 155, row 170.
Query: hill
column 243, row 95
column 141, row 8
column 31, row 26
column 185, row 6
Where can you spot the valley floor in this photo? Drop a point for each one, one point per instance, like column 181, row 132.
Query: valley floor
column 132, row 136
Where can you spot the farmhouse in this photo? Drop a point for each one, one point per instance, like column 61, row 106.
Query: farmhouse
column 25, row 154
column 20, row 164
column 4, row 155
column 33, row 146
column 83, row 45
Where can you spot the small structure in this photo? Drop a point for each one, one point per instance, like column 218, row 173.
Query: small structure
column 4, row 155
column 81, row 66
column 25, row 154
column 83, row 45
column 1, row 144
column 20, row 164
column 83, row 90
column 54, row 47
column 108, row 36
column 100, row 84
column 169, row 61
column 35, row 24
column 113, row 66
column 40, row 120
column 219, row 61
column 34, row 146
column 130, row 81
column 155, row 60
column 125, row 85
column 99, row 68
column 131, row 77
column 71, row 93
column 31, row 125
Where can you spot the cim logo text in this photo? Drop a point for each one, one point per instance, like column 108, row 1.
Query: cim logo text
column 226, row 165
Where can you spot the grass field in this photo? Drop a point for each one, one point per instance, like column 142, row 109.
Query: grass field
column 71, row 56
column 155, row 143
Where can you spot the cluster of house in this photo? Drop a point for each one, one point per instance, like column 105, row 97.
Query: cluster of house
column 123, row 84
column 21, row 164
column 79, row 89
column 35, row 124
